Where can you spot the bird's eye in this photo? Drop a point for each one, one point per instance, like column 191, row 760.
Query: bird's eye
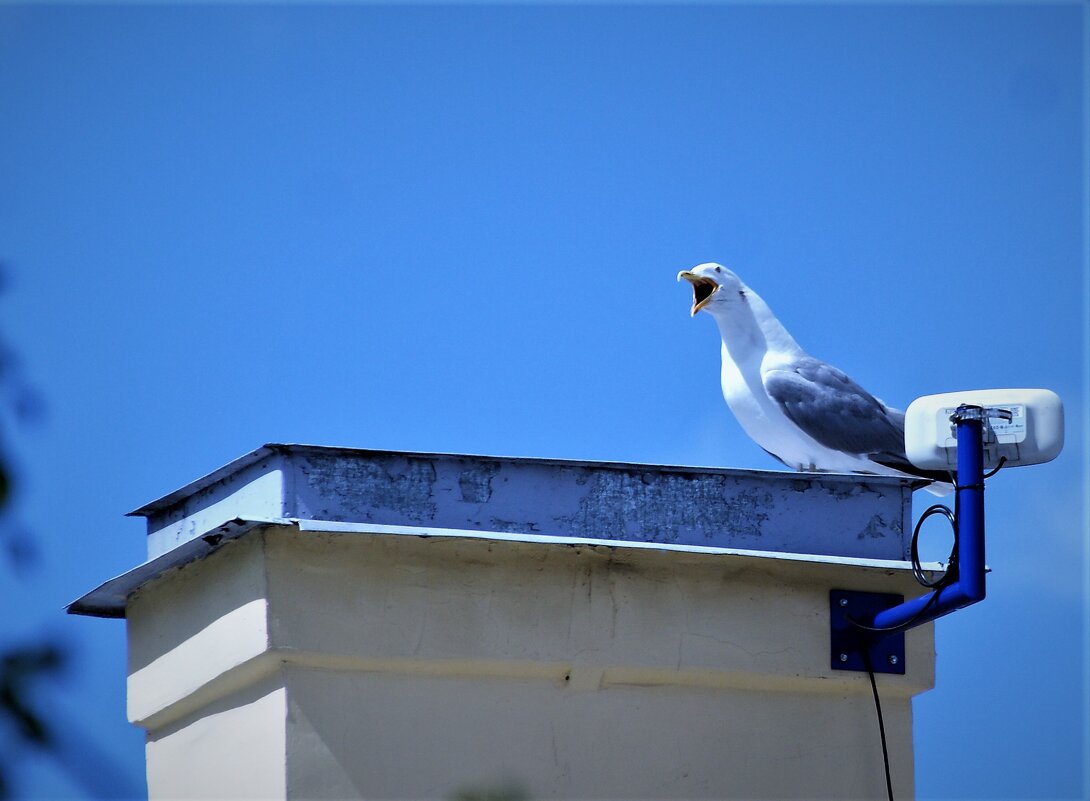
column 718, row 269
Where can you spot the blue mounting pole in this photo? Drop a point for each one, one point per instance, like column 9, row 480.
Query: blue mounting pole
column 967, row 586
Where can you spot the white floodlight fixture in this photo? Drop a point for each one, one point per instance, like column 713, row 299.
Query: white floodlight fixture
column 1021, row 427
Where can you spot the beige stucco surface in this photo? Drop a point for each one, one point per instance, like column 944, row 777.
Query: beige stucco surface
column 232, row 748
column 396, row 666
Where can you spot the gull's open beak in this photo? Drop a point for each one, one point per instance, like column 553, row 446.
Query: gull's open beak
column 703, row 289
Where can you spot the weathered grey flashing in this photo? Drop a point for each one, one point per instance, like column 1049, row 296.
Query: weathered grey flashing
column 740, row 512
column 828, row 514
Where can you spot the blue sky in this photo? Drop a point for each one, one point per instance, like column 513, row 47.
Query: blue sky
column 457, row 229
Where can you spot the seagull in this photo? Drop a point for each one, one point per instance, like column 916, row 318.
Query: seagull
column 798, row 409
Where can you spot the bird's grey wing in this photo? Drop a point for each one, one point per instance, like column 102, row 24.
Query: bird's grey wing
column 834, row 410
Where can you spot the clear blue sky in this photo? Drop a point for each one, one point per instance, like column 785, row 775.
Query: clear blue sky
column 457, row 229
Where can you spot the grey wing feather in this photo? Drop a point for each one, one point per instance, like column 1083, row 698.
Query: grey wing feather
column 834, row 410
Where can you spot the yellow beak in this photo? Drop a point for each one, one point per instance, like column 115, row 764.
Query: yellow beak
column 703, row 289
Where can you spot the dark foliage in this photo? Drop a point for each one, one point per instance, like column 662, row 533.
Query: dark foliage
column 22, row 667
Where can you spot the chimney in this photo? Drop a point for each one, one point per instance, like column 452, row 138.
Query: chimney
column 319, row 622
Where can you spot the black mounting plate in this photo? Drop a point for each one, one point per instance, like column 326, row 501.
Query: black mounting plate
column 849, row 642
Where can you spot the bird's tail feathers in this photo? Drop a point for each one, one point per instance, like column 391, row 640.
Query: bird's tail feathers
column 942, row 483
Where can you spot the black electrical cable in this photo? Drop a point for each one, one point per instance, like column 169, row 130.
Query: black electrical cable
column 1002, row 461
column 917, row 567
column 881, row 723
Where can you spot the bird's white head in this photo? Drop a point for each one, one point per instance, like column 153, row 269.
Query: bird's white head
column 714, row 287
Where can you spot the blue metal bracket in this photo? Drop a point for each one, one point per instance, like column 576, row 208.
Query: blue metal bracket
column 878, row 621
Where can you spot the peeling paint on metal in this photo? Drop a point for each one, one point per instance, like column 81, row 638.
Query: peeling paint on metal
column 660, row 507
column 512, row 526
column 359, row 487
column 876, row 528
column 476, row 482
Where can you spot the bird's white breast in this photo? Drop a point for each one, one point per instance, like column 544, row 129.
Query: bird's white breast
column 764, row 421
column 745, row 394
